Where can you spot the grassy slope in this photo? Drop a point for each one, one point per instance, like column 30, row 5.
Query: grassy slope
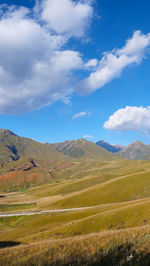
column 131, row 215
column 95, row 176
column 83, row 175
column 124, row 188
column 103, row 217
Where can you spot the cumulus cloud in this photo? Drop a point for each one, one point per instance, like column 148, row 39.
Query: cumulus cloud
column 130, row 118
column 112, row 63
column 66, row 16
column 81, row 114
column 34, row 69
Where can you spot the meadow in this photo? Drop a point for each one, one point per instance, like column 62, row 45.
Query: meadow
column 114, row 230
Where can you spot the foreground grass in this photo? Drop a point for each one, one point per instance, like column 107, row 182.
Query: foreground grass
column 123, row 247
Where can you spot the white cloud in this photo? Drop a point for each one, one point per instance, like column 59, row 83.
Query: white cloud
column 91, row 63
column 130, row 118
column 136, row 46
column 67, row 16
column 81, row 114
column 87, row 137
column 34, row 69
column 112, row 63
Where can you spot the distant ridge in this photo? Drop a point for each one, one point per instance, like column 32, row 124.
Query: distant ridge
column 109, row 147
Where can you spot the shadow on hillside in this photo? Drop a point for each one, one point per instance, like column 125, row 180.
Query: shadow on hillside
column 7, row 244
column 2, row 196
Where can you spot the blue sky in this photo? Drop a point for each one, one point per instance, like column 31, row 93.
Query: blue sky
column 88, row 76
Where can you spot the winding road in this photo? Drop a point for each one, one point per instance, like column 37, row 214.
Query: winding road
column 41, row 212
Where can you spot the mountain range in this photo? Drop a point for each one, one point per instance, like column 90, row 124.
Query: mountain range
column 134, row 151
column 14, row 148
column 25, row 162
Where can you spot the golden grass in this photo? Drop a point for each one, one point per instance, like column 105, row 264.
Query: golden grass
column 33, row 227
column 124, row 188
column 122, row 247
column 130, row 215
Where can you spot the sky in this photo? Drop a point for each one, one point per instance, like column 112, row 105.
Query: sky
column 75, row 69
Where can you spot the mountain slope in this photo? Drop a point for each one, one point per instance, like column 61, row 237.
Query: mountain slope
column 136, row 151
column 13, row 147
column 84, row 149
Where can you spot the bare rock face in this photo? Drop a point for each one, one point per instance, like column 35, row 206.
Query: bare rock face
column 71, row 148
